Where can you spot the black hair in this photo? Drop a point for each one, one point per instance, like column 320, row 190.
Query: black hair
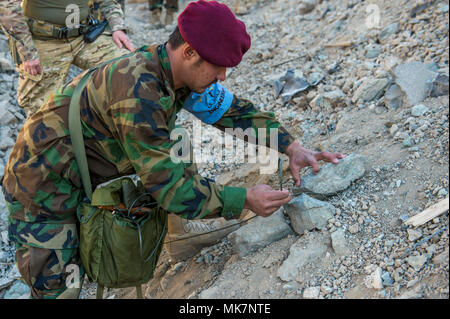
column 175, row 39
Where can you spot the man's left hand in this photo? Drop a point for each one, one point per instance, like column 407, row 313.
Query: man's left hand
column 121, row 39
column 300, row 157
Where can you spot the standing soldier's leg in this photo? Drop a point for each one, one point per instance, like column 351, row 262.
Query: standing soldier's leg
column 122, row 5
column 171, row 9
column 155, row 6
column 101, row 50
column 55, row 58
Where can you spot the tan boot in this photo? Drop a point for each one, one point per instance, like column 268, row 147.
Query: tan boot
column 201, row 233
column 156, row 16
column 169, row 17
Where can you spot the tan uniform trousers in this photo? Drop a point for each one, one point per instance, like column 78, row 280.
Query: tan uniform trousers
column 56, row 56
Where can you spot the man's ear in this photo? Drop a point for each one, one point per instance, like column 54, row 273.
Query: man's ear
column 188, row 52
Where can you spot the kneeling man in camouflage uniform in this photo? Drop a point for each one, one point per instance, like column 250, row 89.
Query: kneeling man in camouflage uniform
column 126, row 108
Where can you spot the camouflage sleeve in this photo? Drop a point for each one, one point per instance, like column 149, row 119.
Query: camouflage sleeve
column 141, row 126
column 112, row 11
column 243, row 114
column 14, row 23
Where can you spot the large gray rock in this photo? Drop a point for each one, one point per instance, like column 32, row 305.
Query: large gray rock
column 259, row 233
column 371, row 90
column 307, row 213
column 300, row 254
column 333, row 178
column 416, row 80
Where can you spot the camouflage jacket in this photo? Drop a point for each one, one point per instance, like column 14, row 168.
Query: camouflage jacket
column 125, row 110
column 14, row 22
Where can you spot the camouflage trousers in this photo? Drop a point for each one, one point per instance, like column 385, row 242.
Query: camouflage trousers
column 157, row 4
column 50, row 273
column 56, row 56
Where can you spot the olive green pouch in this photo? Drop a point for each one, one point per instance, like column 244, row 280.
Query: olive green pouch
column 121, row 226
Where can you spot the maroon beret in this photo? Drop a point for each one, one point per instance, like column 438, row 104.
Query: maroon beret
column 214, row 32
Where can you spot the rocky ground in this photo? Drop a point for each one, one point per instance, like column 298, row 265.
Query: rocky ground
column 340, row 78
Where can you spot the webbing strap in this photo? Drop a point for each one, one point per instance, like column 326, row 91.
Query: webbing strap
column 76, row 133
column 100, row 290
column 139, row 292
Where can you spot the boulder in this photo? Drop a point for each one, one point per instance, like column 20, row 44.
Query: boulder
column 308, row 213
column 300, row 254
column 333, row 178
column 259, row 233
column 415, row 79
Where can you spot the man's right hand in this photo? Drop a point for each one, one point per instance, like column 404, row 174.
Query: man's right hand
column 33, row 67
column 263, row 200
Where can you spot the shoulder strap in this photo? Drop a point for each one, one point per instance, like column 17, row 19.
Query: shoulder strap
column 76, row 133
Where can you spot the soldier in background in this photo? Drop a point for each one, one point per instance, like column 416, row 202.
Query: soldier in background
column 155, row 6
column 46, row 37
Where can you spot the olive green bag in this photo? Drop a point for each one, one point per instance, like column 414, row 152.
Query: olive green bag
column 121, row 226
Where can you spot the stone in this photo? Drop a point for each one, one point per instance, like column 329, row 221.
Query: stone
column 374, row 280
column 3, row 256
column 315, row 77
column 415, row 80
column 372, row 51
column 5, row 140
column 414, row 234
column 311, row 293
column 419, row 110
column 442, row 192
column 320, row 102
column 439, row 86
column 387, row 280
column 306, row 6
column 336, row 98
column 371, row 90
column 6, row 65
column 6, row 116
column 393, row 130
column 4, row 235
column 333, row 178
column 417, row 262
column 308, row 213
column 353, row 229
column 388, row 31
column 339, row 243
column 259, row 233
column 333, row 67
column 2, row 170
column 442, row 258
column 17, row 290
column 393, row 98
column 301, row 254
